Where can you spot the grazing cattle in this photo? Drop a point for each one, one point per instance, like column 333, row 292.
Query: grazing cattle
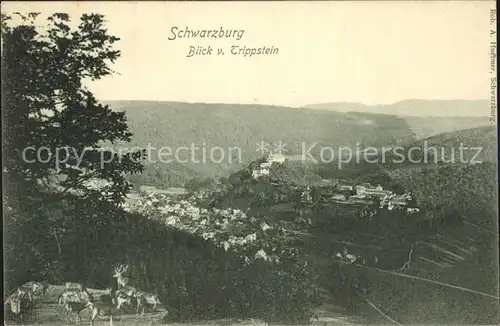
column 122, row 299
column 35, row 287
column 19, row 303
column 146, row 301
column 106, row 305
column 74, row 286
column 75, row 300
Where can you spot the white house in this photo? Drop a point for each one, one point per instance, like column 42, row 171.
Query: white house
column 258, row 173
column 265, row 165
column 377, row 191
column 278, row 158
column 345, row 188
column 347, row 257
column 255, row 174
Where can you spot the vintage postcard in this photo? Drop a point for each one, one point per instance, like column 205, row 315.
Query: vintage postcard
column 250, row 163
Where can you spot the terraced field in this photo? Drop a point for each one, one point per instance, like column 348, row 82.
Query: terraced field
column 445, row 278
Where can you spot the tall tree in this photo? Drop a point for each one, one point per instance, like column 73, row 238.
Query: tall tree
column 55, row 144
column 55, row 131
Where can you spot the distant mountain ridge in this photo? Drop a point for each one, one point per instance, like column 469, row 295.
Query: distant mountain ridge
column 414, row 107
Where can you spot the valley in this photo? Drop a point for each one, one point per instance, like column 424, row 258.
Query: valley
column 146, row 211
column 370, row 243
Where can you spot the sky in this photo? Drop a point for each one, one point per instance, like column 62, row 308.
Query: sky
column 368, row 52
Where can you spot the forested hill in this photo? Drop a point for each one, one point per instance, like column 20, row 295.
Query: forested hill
column 176, row 124
column 484, row 139
column 442, row 178
column 468, row 146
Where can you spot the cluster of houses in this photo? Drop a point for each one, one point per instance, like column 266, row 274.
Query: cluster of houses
column 366, row 192
column 351, row 194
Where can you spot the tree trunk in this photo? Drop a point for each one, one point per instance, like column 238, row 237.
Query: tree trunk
column 59, row 250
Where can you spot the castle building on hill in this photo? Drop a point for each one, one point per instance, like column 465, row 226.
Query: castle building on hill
column 265, row 166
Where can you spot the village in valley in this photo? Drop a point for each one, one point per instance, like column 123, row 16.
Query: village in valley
column 346, row 193
column 363, row 198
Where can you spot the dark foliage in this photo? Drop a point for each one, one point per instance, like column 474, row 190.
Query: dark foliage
column 47, row 110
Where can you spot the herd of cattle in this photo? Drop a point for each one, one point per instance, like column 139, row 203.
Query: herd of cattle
column 75, row 298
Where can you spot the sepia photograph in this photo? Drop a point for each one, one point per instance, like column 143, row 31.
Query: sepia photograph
column 250, row 163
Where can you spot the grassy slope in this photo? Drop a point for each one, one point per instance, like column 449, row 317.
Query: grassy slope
column 472, row 190
column 419, row 302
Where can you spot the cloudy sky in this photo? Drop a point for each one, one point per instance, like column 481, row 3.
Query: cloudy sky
column 369, row 52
